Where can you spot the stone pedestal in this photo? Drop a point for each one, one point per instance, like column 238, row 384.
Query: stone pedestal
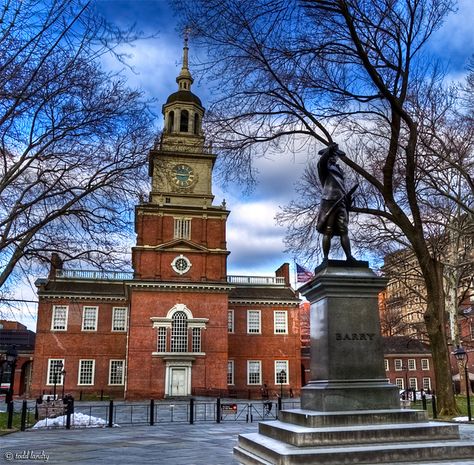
column 347, row 364
column 349, row 413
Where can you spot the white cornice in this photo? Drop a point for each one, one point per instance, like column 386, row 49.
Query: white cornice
column 263, row 302
column 70, row 296
column 182, row 286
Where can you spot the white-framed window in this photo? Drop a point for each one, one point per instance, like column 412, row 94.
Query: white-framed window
column 55, row 371
column 254, row 322
column 59, row 318
column 398, row 364
column 230, row 372
column 162, row 332
column 427, row 384
column 281, row 372
column 385, row 361
column 196, row 340
column 425, row 364
column 116, row 372
column 119, row 318
column 86, row 372
column 89, row 318
column 411, row 364
column 182, row 228
column 472, row 328
column 280, row 320
column 230, row 321
column 400, row 383
column 413, row 383
column 179, row 332
column 254, row 372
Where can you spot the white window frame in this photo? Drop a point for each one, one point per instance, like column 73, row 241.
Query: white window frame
column 281, row 365
column 230, row 321
column 49, row 376
column 398, row 364
column 413, row 383
column 411, row 364
column 85, row 308
column 254, row 363
column 425, row 364
column 162, row 339
column 231, row 372
column 122, row 382
column 276, row 324
column 115, row 320
column 182, row 228
column 254, row 330
column 57, row 308
column 427, row 383
column 81, row 369
column 196, row 340
column 400, row 382
column 385, row 361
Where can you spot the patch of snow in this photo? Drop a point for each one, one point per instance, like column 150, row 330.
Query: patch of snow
column 77, row 420
column 461, row 419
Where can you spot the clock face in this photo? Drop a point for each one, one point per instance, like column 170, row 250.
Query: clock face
column 182, row 175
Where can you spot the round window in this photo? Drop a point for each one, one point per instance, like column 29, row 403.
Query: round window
column 181, row 264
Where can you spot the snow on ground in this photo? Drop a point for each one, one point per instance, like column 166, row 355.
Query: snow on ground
column 77, row 420
column 466, row 419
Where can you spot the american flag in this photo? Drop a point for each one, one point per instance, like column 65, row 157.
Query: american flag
column 302, row 274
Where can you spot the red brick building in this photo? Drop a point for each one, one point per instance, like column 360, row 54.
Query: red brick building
column 177, row 325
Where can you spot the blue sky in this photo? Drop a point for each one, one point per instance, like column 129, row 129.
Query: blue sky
column 254, row 239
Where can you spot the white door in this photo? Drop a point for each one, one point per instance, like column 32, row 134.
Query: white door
column 178, row 382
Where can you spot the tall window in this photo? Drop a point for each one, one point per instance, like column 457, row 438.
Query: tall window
column 386, row 364
column 253, row 322
column 472, row 329
column 280, row 322
column 398, row 364
column 196, row 340
column 254, row 372
column 281, row 372
column 411, row 364
column 162, row 339
column 196, row 123
column 117, row 372
column 230, row 321
column 171, row 121
column 425, row 364
column 119, row 319
column 55, row 371
column 182, row 228
column 59, row 318
column 413, row 383
column 230, row 372
column 400, row 384
column 427, row 384
column 179, row 332
column 184, row 121
column 86, row 372
column 89, row 319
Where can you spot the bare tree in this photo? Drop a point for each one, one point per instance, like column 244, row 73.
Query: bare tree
column 73, row 138
column 349, row 69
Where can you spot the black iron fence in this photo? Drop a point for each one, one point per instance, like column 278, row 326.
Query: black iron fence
column 109, row 414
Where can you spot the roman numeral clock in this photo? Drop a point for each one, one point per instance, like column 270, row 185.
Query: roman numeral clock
column 183, row 176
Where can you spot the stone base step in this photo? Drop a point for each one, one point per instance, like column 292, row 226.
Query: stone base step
column 366, row 434
column 255, row 448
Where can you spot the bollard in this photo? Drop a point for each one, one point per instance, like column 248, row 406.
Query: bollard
column 433, row 404
column 152, row 412
column 10, row 415
column 423, row 402
column 69, row 410
column 111, row 414
column 191, row 411
column 218, row 410
column 101, row 394
column 36, row 411
column 80, row 395
column 23, row 416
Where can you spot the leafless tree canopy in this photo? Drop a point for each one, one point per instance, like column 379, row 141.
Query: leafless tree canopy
column 73, row 138
column 357, row 72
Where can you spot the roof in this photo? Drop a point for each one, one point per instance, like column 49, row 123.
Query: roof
column 184, row 96
column 22, row 339
column 404, row 345
column 96, row 288
column 262, row 292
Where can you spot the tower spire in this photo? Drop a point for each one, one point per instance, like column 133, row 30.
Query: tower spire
column 184, row 78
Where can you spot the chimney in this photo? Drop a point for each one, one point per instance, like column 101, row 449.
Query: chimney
column 284, row 272
column 55, row 264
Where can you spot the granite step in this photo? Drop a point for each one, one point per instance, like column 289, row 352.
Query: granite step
column 302, row 436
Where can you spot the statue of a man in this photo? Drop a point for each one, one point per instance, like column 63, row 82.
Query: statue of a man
column 333, row 217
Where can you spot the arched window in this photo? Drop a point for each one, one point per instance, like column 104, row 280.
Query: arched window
column 184, row 123
column 171, row 121
column 179, row 332
column 196, row 123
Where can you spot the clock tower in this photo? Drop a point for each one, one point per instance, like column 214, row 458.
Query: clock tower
column 179, row 295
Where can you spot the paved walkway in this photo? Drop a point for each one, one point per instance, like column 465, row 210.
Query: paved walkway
column 167, row 444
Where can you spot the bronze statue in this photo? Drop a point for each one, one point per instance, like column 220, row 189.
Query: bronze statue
column 333, row 216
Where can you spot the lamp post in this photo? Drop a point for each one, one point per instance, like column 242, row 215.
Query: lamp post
column 63, row 373
column 57, row 371
column 462, row 357
column 407, row 395
column 282, row 379
column 11, row 357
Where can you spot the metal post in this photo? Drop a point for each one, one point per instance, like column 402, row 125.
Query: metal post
column 55, row 381
column 433, row 405
column 111, row 414
column 468, row 400
column 423, row 401
column 191, row 411
column 10, row 415
column 218, row 411
column 23, row 416
column 152, row 412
